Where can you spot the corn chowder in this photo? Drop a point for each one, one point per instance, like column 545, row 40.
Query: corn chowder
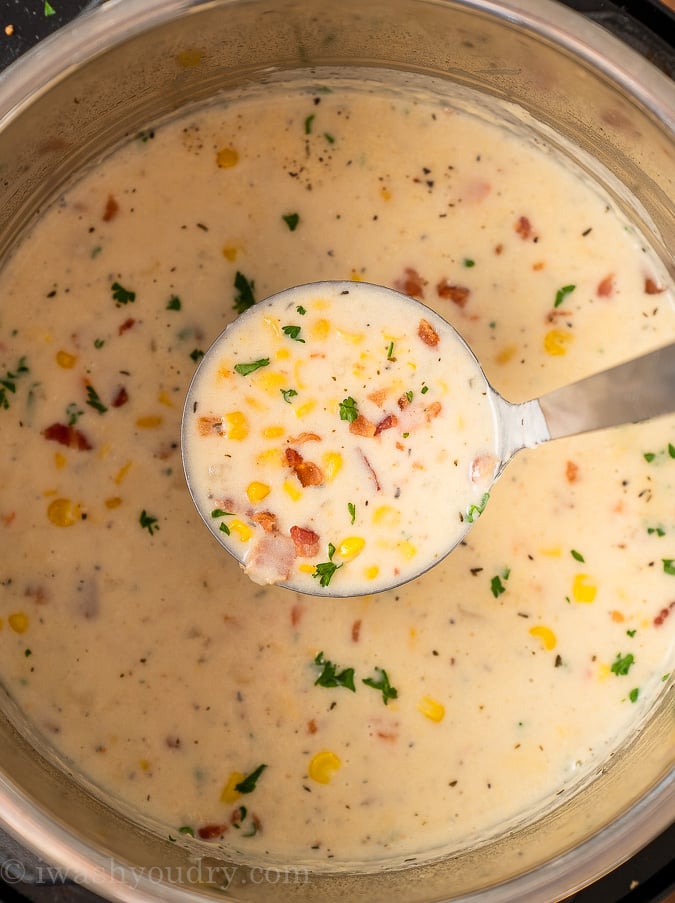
column 279, row 725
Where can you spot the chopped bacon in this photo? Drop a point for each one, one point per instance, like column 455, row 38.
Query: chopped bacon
column 293, row 457
column 652, row 287
column 524, row 228
column 458, row 294
column 433, row 410
column 209, row 832
column 386, row 423
column 66, row 434
column 297, row 612
column 606, row 286
column 306, row 541
column 312, row 726
column 411, row 283
column 307, row 472
column 121, row 397
column 303, row 437
column 378, row 397
column 427, row 333
column 571, row 472
column 356, row 630
column 266, row 520
column 128, row 323
column 372, row 472
column 208, row 425
column 663, row 614
column 403, row 402
column 38, row 593
column 172, row 741
column 499, row 249
column 111, row 209
column 384, row 729
column 9, row 518
column 362, row 427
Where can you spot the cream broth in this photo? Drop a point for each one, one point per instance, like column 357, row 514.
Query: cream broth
column 279, row 725
column 336, row 440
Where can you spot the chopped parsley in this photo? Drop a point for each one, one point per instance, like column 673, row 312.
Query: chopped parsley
column 308, row 124
column 288, row 394
column 659, row 531
column 497, row 586
column 73, row 413
column 99, row 343
column 49, row 9
column 634, row 693
column 669, row 566
column 324, row 572
column 244, row 297
column 293, row 332
column 301, row 310
column 671, row 450
column 247, row 785
column 348, row 409
column 8, row 381
column 196, row 354
column 122, row 295
column 382, row 684
column 351, row 507
column 94, row 401
column 390, row 352
column 473, row 512
column 331, row 677
column 631, row 633
column 649, row 457
column 577, row 555
column 148, row 522
column 329, row 138
column 245, row 369
column 562, row 293
column 186, row 829
column 424, row 390
column 173, row 303
column 219, row 512
column 409, row 396
column 622, row 664
column 468, row 262
column 291, row 220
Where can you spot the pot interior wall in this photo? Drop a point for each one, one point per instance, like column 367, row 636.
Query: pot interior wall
column 101, row 90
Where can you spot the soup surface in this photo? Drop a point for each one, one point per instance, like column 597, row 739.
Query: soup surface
column 279, row 725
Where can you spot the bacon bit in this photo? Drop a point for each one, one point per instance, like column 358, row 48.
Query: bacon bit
column 111, row 209
column 372, row 472
column 356, row 630
column 411, row 283
column 208, row 425
column 312, row 727
column 172, row 741
column 297, row 612
column 458, row 294
column 499, row 249
column 524, row 228
column 9, row 519
column 128, row 323
column 209, row 832
column 400, row 446
column 386, row 423
column 121, row 397
column 387, row 731
column 663, row 614
column 427, row 333
column 553, row 315
column 308, row 473
column 306, row 541
column 38, row 594
column 362, row 427
column 303, row 437
column 606, row 286
column 403, row 402
column 433, row 410
column 652, row 288
column 378, row 397
column 65, row 434
column 571, row 472
column 266, row 520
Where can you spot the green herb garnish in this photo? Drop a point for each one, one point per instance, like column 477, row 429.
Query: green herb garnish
column 671, row 450
column 99, row 343
column 473, row 512
column 308, row 124
column 329, row 138
column 49, row 9
column 631, row 633
column 348, row 410
column 73, row 413
column 219, row 512
column 186, row 829
column 8, row 381
column 249, row 782
column 291, row 220
column 148, row 522
column 301, row 310
column 497, row 586
column 577, row 556
column 409, row 396
column 562, row 293
column 330, row 677
column 669, row 566
column 245, row 297
column 382, row 684
column 196, row 354
column 288, row 394
column 468, row 262
column 94, row 401
column 351, row 507
column 649, row 457
column 659, row 531
column 293, row 332
column 245, row 369
column 122, row 295
column 325, row 571
column 424, row 390
column 622, row 664
column 390, row 352
column 173, row 303
column 634, row 693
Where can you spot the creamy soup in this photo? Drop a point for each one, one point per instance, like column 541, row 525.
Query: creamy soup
column 337, row 440
column 285, row 726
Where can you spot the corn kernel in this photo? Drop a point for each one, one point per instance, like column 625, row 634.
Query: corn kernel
column 304, row 409
column 604, row 670
column 229, row 794
column 103, row 451
column 113, row 502
column 144, row 765
column 371, row 572
column 224, row 372
column 18, row 621
column 63, row 513
column 351, row 547
column 354, row 337
column 66, row 360
column 255, row 403
column 273, row 325
column 556, row 342
column 257, row 491
column 506, row 354
column 299, row 384
column 165, row 399
column 60, row 460
column 583, row 590
column 292, row 489
column 273, row 432
column 230, row 252
column 407, row 549
column 150, row 422
column 269, row 458
column 306, row 568
column 545, row 634
column 431, row 708
column 553, row 552
column 282, row 354
column 385, row 194
column 237, row 425
column 122, row 472
column 243, row 531
column 355, row 277
column 322, row 766
column 320, row 329
column 227, row 157
column 386, row 515
column 332, row 465
column 270, row 382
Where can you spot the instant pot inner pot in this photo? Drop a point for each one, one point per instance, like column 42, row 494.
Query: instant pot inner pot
column 119, row 70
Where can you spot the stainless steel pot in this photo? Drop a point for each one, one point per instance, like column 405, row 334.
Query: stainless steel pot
column 132, row 62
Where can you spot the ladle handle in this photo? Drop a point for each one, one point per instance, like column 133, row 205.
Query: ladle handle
column 632, row 392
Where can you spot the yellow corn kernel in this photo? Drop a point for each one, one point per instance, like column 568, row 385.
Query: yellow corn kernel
column 274, row 326
column 292, row 489
column 604, row 670
column 319, row 304
column 60, row 460
column 66, row 360
column 553, row 552
column 63, row 513
column 304, row 409
column 273, row 432
column 165, row 399
column 407, row 549
column 103, row 451
column 322, row 766
column 355, row 277
column 257, row 491
column 298, row 383
column 230, row 252
column 269, row 458
column 306, row 568
column 255, row 403
column 506, row 354
column 229, row 794
column 144, row 765
column 385, row 194
column 320, row 329
column 122, row 472
column 237, row 425
column 282, row 354
column 227, row 157
column 556, row 342
column 113, row 502
column 354, row 337
column 150, row 422
column 224, row 372
column 332, row 465
column 243, row 531
column 351, row 547
column 386, row 515
column 583, row 589
column 431, row 708
column 18, row 621
column 371, row 572
column 270, row 382
column 545, row 634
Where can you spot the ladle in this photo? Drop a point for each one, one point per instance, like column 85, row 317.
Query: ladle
column 323, row 427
